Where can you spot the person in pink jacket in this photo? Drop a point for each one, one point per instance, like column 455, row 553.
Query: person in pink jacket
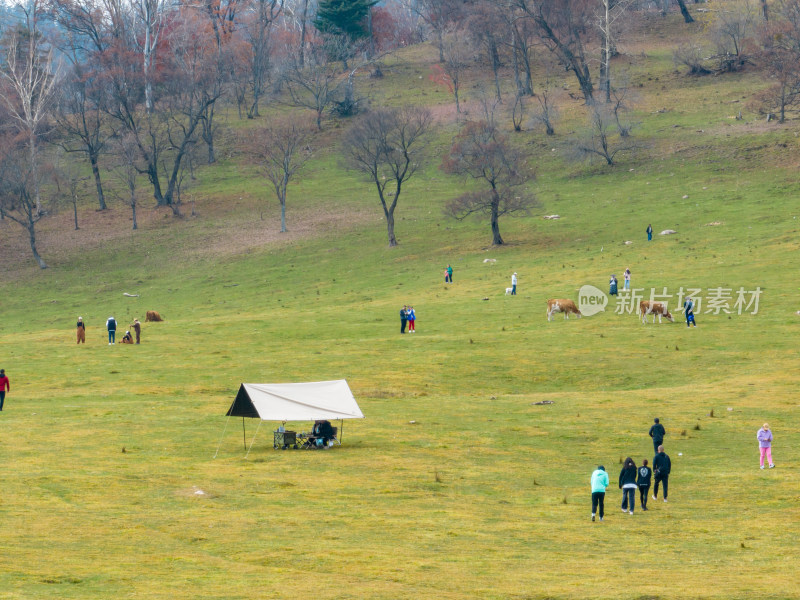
column 765, row 444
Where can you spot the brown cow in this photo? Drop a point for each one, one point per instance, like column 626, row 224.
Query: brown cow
column 152, row 316
column 648, row 307
column 562, row 305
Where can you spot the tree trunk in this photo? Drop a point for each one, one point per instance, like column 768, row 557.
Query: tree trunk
column 96, row 172
column 34, row 171
column 390, row 229
column 685, row 12
column 495, row 57
column 75, row 209
column 282, row 198
column 303, row 35
column 32, row 234
column 133, row 210
column 764, row 10
column 496, row 239
column 440, row 43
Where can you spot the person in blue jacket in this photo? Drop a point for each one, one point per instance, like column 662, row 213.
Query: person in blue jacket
column 612, row 286
column 649, row 233
column 599, row 484
column 688, row 310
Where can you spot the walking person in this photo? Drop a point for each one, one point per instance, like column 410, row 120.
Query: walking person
column 657, row 432
column 4, row 387
column 448, row 274
column 137, row 328
column 649, row 233
column 514, row 284
column 627, row 276
column 81, row 328
column 627, row 483
column 662, row 465
column 764, row 437
column 599, row 484
column 403, row 319
column 643, row 481
column 111, row 325
column 688, row 310
column 412, row 318
column 612, row 286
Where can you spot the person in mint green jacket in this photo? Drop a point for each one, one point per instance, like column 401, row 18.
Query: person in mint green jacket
column 599, row 485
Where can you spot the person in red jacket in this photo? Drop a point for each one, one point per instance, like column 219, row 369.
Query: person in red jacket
column 4, row 387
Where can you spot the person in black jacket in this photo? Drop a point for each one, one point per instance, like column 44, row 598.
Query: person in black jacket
column 403, row 319
column 657, row 432
column 662, row 465
column 643, row 481
column 321, row 433
column 627, row 483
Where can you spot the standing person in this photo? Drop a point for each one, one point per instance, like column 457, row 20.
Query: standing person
column 627, row 276
column 649, row 233
column 449, row 274
column 81, row 328
column 137, row 327
column 612, row 286
column 764, row 437
column 688, row 310
column 662, row 465
column 514, row 284
column 412, row 317
column 657, row 432
column 627, row 483
column 111, row 325
column 599, row 485
column 4, row 387
column 643, row 481
column 403, row 319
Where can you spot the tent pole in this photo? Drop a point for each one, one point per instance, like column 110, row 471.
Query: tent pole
column 341, row 429
column 244, row 435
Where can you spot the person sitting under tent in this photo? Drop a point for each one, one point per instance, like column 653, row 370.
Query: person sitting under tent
column 321, row 434
column 127, row 339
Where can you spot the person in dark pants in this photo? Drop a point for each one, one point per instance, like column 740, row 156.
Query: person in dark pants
column 688, row 310
column 449, row 277
column 662, row 465
column 649, row 233
column 111, row 325
column 5, row 386
column 627, row 483
column 137, row 328
column 657, row 432
column 403, row 319
column 612, row 286
column 599, row 485
column 643, row 481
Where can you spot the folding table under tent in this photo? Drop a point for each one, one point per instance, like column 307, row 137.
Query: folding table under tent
column 313, row 401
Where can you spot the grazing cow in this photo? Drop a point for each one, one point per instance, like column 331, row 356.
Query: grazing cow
column 562, row 305
column 647, row 307
column 152, row 316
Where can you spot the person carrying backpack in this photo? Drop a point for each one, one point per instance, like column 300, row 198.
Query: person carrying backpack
column 111, row 325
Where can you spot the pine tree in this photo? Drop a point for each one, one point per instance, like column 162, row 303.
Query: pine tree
column 344, row 17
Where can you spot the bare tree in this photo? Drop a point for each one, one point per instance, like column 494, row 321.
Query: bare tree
column 602, row 137
column 563, row 26
column 30, row 76
column 733, row 24
column 315, row 85
column 280, row 152
column 482, row 152
column 18, row 186
column 779, row 57
column 387, row 147
column 150, row 20
column 457, row 57
column 611, row 12
column 126, row 152
column 438, row 15
column 259, row 23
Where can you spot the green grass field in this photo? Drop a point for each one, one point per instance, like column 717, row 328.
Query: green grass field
column 457, row 484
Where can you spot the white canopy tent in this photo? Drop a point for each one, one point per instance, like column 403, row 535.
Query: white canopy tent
column 319, row 400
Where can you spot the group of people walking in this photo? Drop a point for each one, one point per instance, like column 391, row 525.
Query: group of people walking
column 633, row 478
column 111, row 327
column 408, row 317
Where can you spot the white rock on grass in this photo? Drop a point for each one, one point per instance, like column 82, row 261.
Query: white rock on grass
column 489, row 260
column 668, row 232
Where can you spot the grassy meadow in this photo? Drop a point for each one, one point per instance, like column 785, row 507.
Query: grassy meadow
column 457, row 484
